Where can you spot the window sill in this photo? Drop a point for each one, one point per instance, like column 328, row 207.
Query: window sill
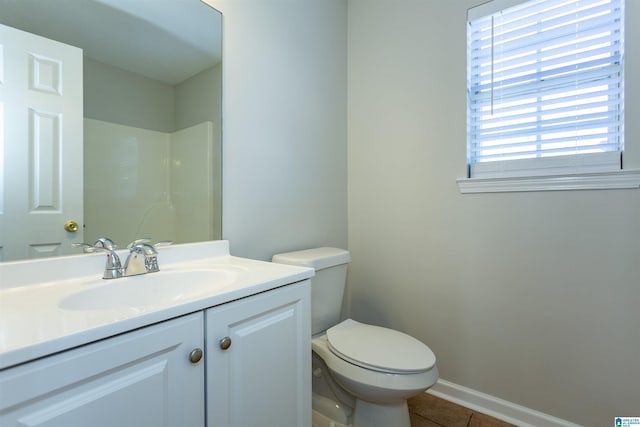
column 623, row 179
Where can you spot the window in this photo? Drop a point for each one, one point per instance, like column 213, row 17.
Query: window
column 545, row 88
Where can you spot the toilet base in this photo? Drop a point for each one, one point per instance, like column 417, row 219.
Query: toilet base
column 319, row 419
column 367, row 414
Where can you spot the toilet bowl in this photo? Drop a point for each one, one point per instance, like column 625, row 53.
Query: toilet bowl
column 380, row 373
column 377, row 368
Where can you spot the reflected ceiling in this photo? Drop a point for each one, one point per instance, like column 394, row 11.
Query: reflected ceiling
column 189, row 35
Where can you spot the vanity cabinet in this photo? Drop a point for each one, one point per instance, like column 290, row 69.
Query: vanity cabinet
column 258, row 353
column 141, row 378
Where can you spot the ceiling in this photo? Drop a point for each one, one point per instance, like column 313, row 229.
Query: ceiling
column 168, row 40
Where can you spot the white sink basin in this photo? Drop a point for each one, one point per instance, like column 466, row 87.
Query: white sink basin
column 147, row 290
column 55, row 304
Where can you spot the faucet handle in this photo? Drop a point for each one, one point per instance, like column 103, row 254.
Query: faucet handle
column 148, row 240
column 138, row 242
column 102, row 244
column 106, row 243
column 86, row 247
column 144, row 248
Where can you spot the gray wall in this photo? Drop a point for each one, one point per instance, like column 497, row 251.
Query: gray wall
column 115, row 95
column 199, row 99
column 285, row 123
column 530, row 297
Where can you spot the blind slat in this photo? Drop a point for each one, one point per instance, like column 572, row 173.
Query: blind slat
column 534, row 129
column 517, row 102
column 497, row 145
column 533, row 61
column 481, row 57
column 603, row 67
column 523, row 112
column 542, row 88
column 506, row 27
column 541, row 8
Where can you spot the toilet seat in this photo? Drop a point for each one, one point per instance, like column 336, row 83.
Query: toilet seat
column 355, row 378
column 379, row 349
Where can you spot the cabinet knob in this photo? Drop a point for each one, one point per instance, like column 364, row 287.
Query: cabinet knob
column 195, row 356
column 225, row 343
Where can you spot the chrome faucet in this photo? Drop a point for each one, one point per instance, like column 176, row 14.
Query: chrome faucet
column 142, row 259
column 113, row 268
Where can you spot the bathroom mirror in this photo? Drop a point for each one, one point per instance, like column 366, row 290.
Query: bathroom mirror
column 151, row 125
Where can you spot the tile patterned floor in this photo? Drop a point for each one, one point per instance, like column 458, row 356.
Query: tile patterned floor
column 426, row 410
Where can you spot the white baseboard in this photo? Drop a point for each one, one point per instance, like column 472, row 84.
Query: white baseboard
column 495, row 407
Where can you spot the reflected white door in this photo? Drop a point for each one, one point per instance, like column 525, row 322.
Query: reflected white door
column 40, row 145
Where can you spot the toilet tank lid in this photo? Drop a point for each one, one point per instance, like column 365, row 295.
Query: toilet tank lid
column 317, row 258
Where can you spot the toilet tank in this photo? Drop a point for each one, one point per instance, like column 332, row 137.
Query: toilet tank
column 328, row 284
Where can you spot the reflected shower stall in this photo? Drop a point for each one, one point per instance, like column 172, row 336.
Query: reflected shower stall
column 143, row 183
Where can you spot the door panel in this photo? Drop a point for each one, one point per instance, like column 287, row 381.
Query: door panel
column 41, row 111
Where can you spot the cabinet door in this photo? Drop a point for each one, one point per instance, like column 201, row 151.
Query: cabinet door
column 143, row 379
column 264, row 377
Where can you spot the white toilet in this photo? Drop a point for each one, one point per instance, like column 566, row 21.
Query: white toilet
column 372, row 371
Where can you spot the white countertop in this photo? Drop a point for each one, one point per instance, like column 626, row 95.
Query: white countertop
column 33, row 324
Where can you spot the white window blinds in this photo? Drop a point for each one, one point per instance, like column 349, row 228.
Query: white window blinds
column 545, row 88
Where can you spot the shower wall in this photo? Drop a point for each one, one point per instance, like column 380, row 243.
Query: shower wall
column 196, row 192
column 143, row 183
